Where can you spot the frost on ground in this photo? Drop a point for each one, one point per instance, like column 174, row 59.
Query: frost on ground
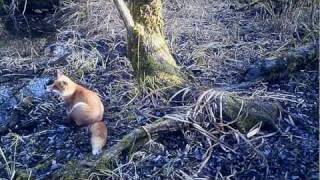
column 213, row 42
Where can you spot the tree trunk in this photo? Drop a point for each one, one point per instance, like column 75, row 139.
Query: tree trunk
column 148, row 51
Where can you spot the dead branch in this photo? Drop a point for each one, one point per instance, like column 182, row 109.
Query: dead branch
column 249, row 5
column 276, row 67
column 125, row 14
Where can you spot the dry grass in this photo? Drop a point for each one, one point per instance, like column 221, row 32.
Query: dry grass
column 10, row 162
column 101, row 15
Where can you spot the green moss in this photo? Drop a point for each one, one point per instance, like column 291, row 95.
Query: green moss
column 107, row 162
column 162, row 80
column 72, row 170
column 148, row 14
column 152, row 61
column 153, row 64
column 252, row 112
column 44, row 166
column 23, row 176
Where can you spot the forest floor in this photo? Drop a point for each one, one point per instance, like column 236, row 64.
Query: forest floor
column 212, row 42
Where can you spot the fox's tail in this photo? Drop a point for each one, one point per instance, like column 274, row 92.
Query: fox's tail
column 98, row 136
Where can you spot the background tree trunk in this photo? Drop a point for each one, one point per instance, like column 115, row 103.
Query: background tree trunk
column 148, row 51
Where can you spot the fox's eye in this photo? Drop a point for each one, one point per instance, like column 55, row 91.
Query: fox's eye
column 49, row 82
column 64, row 83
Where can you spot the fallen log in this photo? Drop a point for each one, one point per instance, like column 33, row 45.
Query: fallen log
column 277, row 67
column 245, row 112
column 137, row 137
column 248, row 112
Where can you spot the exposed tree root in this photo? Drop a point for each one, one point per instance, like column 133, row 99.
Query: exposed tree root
column 277, row 67
column 133, row 140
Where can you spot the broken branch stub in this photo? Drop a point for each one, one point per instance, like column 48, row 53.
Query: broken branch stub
column 249, row 112
column 245, row 112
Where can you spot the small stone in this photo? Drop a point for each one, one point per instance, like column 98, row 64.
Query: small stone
column 54, row 165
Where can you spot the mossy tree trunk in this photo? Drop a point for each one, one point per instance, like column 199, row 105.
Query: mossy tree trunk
column 148, row 51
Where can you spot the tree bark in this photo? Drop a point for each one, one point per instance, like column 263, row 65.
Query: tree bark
column 148, row 51
column 248, row 111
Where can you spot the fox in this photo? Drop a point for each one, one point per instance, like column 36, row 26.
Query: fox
column 84, row 107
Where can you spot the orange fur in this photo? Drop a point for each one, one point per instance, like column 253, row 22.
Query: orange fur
column 84, row 107
column 98, row 136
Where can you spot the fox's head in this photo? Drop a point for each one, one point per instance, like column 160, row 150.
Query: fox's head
column 63, row 85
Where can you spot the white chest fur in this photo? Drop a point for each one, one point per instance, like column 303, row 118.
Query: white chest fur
column 77, row 105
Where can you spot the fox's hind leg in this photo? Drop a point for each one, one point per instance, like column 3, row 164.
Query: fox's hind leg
column 79, row 113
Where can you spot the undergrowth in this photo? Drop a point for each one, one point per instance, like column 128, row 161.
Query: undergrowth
column 211, row 40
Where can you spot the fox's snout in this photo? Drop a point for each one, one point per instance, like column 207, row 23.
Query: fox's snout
column 48, row 85
column 50, row 82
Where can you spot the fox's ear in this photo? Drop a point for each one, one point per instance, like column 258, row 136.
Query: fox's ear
column 59, row 73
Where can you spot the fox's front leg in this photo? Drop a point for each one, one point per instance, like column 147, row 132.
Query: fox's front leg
column 68, row 119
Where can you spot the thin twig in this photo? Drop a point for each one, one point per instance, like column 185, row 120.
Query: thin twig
column 249, row 5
